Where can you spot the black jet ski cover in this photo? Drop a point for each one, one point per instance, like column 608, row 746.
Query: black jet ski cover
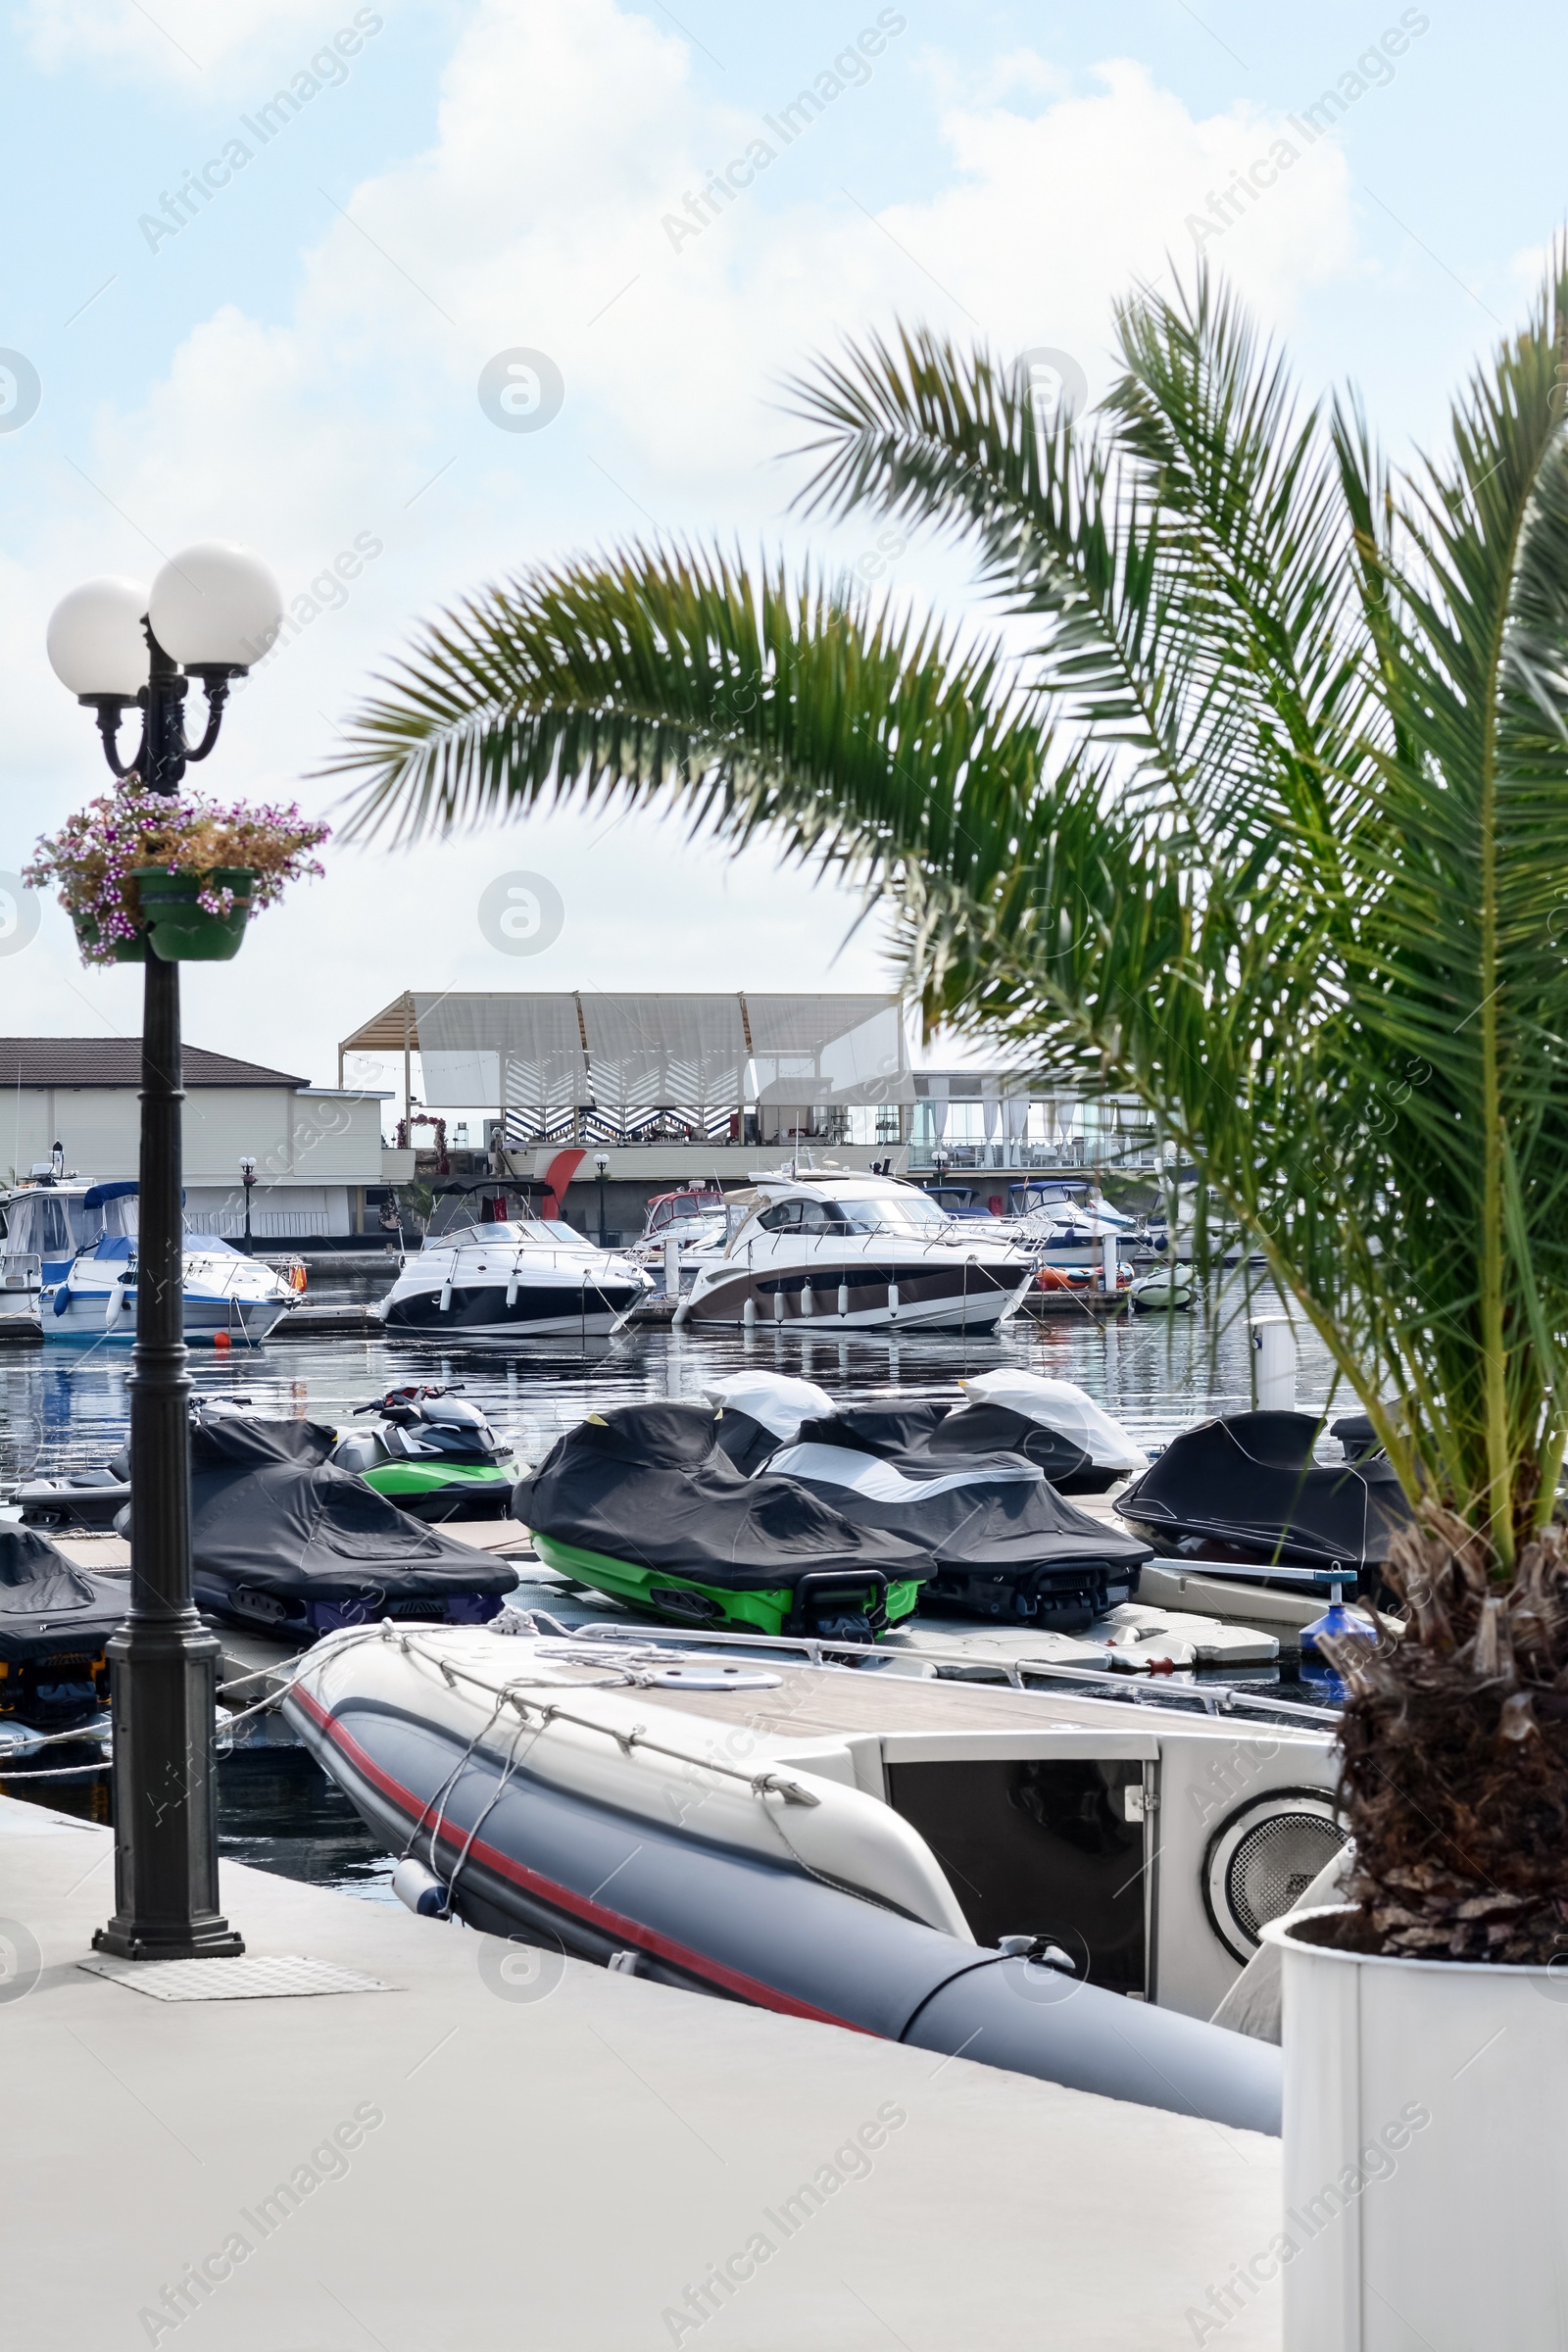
column 48, row 1605
column 747, row 1442
column 947, row 1430
column 998, row 1532
column 271, row 1514
column 648, row 1483
column 998, row 1429
column 1249, row 1485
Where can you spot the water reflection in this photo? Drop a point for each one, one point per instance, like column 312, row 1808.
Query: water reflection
column 1156, row 1374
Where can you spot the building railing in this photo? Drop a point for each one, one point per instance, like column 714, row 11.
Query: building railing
column 266, row 1224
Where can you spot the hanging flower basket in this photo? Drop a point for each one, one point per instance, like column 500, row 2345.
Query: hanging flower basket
column 139, row 871
column 178, row 912
column 96, row 950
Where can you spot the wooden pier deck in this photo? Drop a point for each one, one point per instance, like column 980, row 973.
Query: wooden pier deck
column 502, row 2153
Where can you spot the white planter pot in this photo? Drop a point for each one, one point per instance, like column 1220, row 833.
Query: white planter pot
column 1426, row 2152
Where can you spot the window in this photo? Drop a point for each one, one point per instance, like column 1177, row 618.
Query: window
column 785, row 1218
column 53, row 1228
column 661, row 1217
column 854, row 1216
column 899, row 1212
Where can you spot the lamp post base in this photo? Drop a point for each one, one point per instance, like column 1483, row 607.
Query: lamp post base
column 166, row 1859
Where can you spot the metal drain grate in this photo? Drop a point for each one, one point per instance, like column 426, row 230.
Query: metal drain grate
column 243, row 1980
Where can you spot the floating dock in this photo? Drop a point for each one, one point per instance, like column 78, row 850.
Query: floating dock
column 469, row 2143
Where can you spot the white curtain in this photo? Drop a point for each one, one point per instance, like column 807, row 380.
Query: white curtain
column 991, row 1107
column 937, row 1096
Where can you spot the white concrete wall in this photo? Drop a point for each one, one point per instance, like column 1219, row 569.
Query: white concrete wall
column 306, row 1139
column 337, row 1136
column 279, row 1211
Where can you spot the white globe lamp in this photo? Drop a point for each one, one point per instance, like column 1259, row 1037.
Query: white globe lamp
column 96, row 644
column 215, row 608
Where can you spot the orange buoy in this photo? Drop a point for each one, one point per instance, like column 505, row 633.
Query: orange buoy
column 220, row 1339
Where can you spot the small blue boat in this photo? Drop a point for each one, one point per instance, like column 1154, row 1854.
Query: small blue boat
column 75, row 1243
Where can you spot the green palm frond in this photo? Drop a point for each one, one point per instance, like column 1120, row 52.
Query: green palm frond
column 1265, row 825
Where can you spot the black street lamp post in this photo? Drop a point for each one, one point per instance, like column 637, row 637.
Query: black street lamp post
column 247, row 1177
column 601, row 1170
column 218, row 609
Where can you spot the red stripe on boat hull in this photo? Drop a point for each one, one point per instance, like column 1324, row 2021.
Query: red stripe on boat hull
column 564, row 1898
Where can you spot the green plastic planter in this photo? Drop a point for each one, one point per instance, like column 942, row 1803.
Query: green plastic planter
column 177, row 930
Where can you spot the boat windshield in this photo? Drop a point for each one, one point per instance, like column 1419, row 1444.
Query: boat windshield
column 883, row 1212
column 49, row 1224
column 519, row 1234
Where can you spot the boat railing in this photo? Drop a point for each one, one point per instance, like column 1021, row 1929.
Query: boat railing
column 949, row 1234
column 1215, row 1700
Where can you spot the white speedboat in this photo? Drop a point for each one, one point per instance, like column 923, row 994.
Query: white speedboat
column 81, row 1237
column 852, row 1252
column 1067, row 1227
column 530, row 1279
column 693, row 1219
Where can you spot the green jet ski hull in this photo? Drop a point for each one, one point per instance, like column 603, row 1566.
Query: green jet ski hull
column 771, row 1609
column 438, row 1490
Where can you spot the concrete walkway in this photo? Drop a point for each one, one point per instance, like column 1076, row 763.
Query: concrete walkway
column 553, row 2159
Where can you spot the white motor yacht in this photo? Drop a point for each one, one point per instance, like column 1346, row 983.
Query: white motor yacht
column 849, row 1250
column 533, row 1278
column 1065, row 1225
column 691, row 1219
column 69, row 1259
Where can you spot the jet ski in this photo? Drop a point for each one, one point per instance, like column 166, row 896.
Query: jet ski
column 1247, row 1488
column 999, row 1538
column 1025, row 1412
column 86, row 1500
column 644, row 1504
column 435, row 1455
column 1053, row 1423
column 283, row 1539
column 55, row 1621
column 1002, row 1541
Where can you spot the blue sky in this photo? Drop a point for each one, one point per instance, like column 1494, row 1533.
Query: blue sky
column 298, row 366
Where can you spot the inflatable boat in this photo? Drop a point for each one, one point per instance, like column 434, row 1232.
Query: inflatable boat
column 1247, row 1489
column 283, row 1539
column 591, row 1809
column 644, row 1504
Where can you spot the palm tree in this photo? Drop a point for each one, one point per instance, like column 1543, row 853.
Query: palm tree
column 1266, row 824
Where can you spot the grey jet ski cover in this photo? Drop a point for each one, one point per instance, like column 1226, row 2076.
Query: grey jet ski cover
column 970, row 1511
column 1250, row 1482
column 270, row 1512
column 649, row 1485
column 47, row 1602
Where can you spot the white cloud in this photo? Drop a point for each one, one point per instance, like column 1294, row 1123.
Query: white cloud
column 176, row 40
column 566, row 129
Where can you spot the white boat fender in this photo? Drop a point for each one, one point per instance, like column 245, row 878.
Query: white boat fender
column 419, row 1889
